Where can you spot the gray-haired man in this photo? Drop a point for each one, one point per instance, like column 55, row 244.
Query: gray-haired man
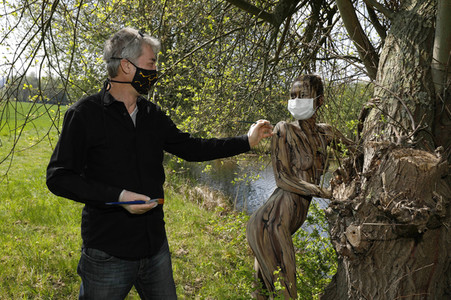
column 111, row 150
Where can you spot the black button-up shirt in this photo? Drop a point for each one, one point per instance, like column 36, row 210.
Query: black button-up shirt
column 100, row 152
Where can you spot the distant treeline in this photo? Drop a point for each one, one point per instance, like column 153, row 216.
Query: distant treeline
column 30, row 89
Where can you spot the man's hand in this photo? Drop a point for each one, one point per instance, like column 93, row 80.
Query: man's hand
column 258, row 131
column 135, row 208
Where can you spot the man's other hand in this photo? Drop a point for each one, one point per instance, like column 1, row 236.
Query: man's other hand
column 136, row 208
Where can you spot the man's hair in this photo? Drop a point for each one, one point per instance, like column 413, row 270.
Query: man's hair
column 126, row 43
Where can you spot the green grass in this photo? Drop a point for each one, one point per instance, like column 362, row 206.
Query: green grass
column 210, row 255
column 40, row 233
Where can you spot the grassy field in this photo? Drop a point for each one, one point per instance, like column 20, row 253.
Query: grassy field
column 40, row 233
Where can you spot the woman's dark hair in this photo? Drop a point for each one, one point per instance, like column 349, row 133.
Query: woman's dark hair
column 315, row 82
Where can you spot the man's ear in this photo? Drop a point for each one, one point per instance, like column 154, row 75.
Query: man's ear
column 126, row 66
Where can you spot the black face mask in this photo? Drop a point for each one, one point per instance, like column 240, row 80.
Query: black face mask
column 143, row 80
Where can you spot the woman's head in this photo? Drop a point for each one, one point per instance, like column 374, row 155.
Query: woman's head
column 308, row 86
column 306, row 96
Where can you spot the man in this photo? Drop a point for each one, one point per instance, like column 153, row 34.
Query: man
column 299, row 158
column 111, row 150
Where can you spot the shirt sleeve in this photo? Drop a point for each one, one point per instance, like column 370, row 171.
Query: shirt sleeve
column 65, row 170
column 190, row 148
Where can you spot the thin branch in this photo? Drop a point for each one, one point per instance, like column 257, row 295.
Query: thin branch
column 254, row 10
column 364, row 46
column 282, row 41
column 385, row 11
column 377, row 25
column 200, row 47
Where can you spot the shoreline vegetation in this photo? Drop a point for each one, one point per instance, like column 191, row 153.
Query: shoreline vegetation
column 40, row 233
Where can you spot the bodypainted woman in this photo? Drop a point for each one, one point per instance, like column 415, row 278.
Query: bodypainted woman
column 299, row 158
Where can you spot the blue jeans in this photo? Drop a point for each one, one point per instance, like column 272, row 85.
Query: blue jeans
column 107, row 277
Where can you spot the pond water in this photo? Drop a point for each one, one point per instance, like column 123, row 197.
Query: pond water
column 248, row 184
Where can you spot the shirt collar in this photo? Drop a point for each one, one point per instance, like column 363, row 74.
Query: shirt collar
column 108, row 99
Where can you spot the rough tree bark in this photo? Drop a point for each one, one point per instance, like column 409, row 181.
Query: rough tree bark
column 392, row 237
column 390, row 214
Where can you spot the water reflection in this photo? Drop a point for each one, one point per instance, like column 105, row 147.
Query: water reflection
column 247, row 183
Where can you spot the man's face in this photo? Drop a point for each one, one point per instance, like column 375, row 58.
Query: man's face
column 147, row 60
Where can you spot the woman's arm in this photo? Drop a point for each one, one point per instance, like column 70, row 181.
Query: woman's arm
column 334, row 137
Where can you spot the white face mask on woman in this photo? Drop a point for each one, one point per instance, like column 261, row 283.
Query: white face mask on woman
column 301, row 108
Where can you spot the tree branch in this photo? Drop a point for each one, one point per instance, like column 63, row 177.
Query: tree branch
column 198, row 48
column 441, row 61
column 285, row 8
column 441, row 73
column 385, row 11
column 366, row 50
column 375, row 21
column 254, row 10
column 282, row 41
column 282, row 10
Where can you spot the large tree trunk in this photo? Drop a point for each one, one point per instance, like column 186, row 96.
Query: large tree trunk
column 390, row 216
column 393, row 236
column 404, row 90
